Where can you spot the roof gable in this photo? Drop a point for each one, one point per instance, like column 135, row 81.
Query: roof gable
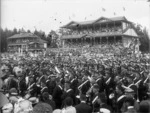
column 21, row 35
column 119, row 18
column 102, row 19
column 99, row 20
column 70, row 23
column 130, row 31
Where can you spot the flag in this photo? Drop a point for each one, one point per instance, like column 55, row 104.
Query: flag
column 103, row 9
column 57, row 70
column 69, row 18
column 124, row 8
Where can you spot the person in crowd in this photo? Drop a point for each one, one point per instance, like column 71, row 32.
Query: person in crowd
column 57, row 93
column 68, row 106
column 144, row 106
column 104, row 107
column 48, row 99
column 129, row 105
column 42, row 107
column 89, row 70
column 23, row 106
column 68, row 92
column 83, row 107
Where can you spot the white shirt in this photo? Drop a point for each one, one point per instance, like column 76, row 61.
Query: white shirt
column 69, row 109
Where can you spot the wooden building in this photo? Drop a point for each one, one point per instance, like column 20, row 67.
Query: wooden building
column 26, row 42
column 100, row 31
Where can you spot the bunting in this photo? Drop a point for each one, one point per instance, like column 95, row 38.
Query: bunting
column 124, row 8
column 103, row 9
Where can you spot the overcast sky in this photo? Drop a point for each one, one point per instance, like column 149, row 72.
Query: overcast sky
column 46, row 15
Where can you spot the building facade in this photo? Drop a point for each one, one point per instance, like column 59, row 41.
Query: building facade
column 25, row 42
column 100, row 31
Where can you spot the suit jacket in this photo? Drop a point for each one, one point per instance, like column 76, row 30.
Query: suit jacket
column 51, row 86
column 100, row 82
column 131, row 110
column 57, row 96
column 85, row 87
column 83, row 108
column 68, row 93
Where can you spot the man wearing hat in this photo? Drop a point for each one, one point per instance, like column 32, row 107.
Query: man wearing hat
column 104, row 107
column 120, row 97
column 130, row 92
column 83, row 107
column 68, row 92
column 57, row 93
column 129, row 105
column 51, row 83
column 43, row 86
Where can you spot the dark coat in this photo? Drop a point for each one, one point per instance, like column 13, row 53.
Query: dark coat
column 57, row 96
column 83, row 108
column 131, row 110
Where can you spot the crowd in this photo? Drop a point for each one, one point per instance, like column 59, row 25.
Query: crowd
column 104, row 48
column 94, row 30
column 75, row 82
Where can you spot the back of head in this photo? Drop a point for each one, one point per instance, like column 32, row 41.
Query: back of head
column 82, row 97
column 68, row 101
column 45, row 96
column 145, row 106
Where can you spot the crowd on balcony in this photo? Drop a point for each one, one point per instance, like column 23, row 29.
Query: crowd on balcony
column 93, row 31
column 20, row 41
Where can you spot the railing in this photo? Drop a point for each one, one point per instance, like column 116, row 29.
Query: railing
column 92, row 34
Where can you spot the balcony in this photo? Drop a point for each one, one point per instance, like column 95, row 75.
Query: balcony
column 95, row 34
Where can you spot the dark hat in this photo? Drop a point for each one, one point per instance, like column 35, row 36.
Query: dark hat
column 42, row 108
column 33, row 100
column 13, row 92
column 133, row 87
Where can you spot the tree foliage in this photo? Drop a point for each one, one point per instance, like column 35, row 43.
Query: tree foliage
column 53, row 39
column 144, row 38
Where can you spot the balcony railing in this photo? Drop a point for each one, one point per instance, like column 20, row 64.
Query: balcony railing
column 95, row 34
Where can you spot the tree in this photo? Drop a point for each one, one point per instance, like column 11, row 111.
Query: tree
column 144, row 38
column 40, row 34
column 28, row 31
column 145, row 41
column 49, row 40
column 53, row 38
column 15, row 31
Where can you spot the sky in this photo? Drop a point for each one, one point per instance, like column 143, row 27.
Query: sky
column 47, row 15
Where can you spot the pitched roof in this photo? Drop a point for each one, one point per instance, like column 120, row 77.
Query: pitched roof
column 21, row 35
column 72, row 23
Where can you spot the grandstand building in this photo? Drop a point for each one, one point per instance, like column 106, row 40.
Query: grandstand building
column 100, row 31
column 25, row 42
